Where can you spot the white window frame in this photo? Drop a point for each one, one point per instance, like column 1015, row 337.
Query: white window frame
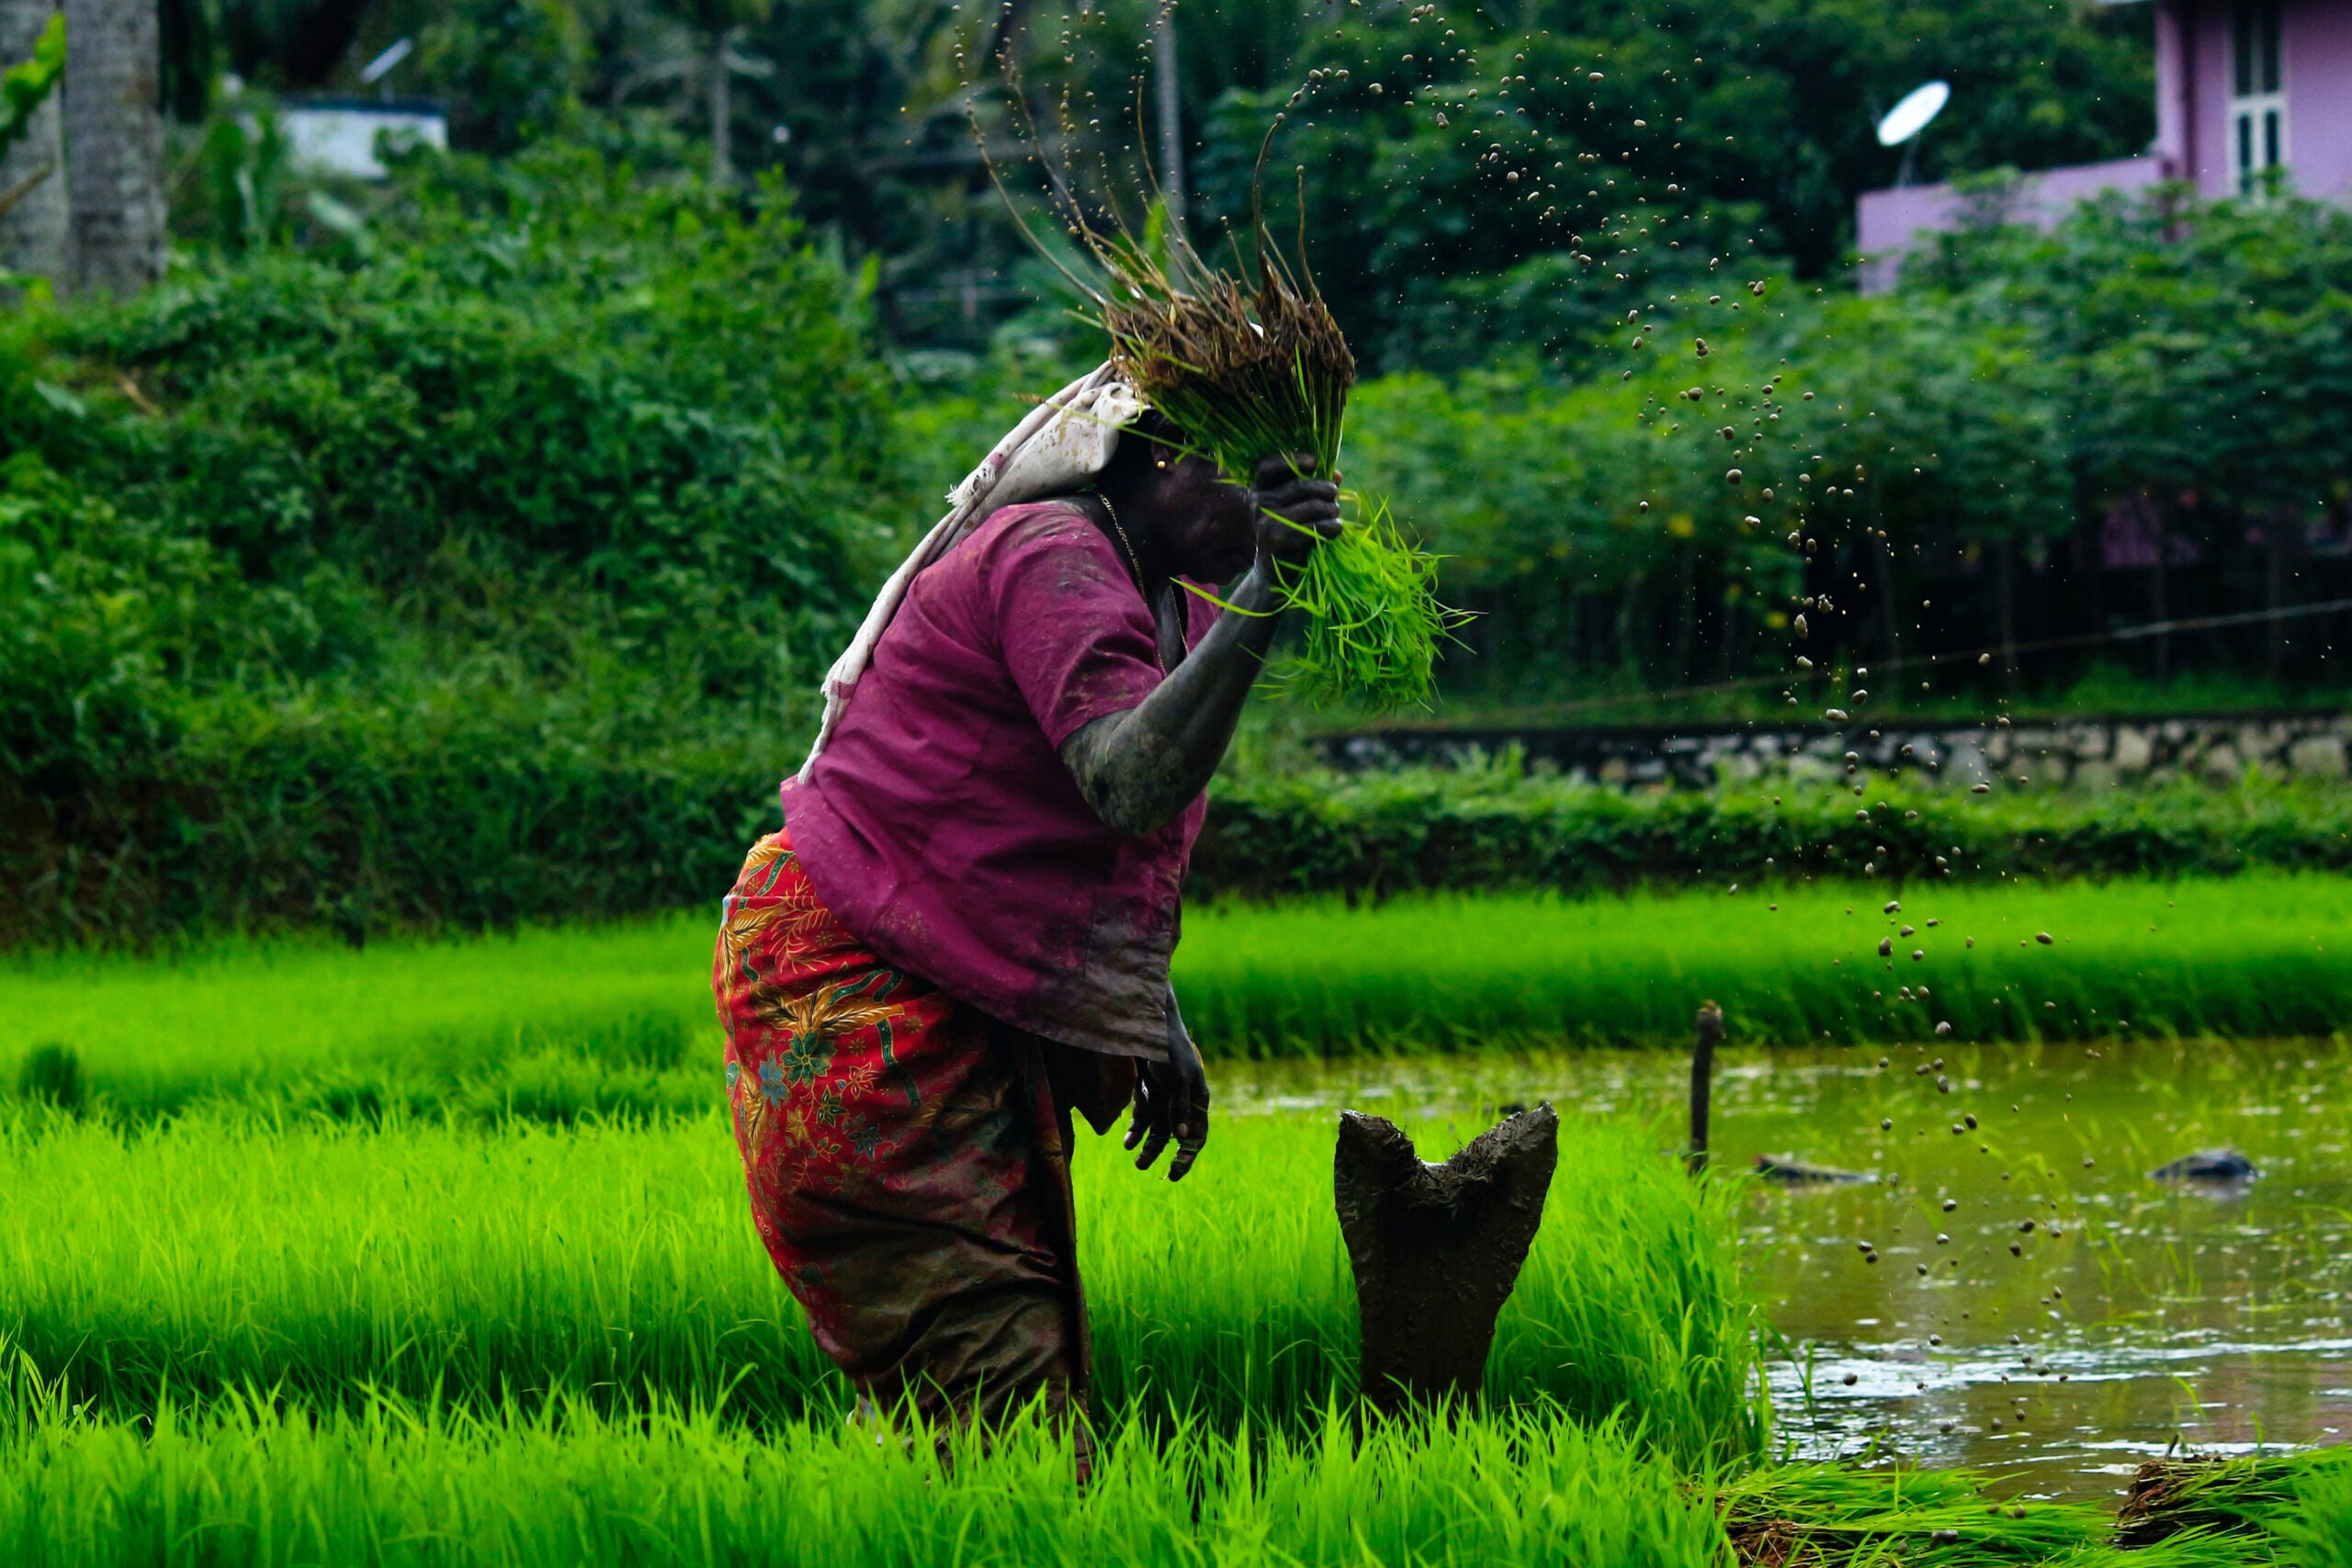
column 2258, row 98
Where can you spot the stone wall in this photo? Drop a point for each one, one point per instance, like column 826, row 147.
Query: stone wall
column 2087, row 752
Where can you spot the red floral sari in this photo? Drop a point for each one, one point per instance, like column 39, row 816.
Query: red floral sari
column 908, row 1166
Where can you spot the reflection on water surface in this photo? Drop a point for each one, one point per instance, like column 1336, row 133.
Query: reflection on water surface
column 2029, row 1301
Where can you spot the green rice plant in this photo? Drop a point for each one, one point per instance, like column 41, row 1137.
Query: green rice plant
column 1247, row 372
column 2301, row 1501
column 216, row 1252
column 1252, row 369
column 2261, row 955
column 2278, row 1506
column 556, row 1023
column 1360, row 646
column 238, row 1480
column 1840, row 1514
column 396, row 1483
column 554, row 1019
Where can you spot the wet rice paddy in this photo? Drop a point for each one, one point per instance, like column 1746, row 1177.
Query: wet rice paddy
column 2010, row 1289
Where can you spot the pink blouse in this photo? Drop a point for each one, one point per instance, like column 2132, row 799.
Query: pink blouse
column 940, row 824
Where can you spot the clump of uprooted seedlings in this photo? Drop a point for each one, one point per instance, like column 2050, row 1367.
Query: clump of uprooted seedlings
column 1257, row 369
column 1830, row 1516
column 1254, row 372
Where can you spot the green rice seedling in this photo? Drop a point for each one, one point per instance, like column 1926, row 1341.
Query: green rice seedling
column 1247, row 373
column 564, row 1018
column 52, row 1074
column 1622, row 1230
column 323, row 1261
column 393, row 1482
column 1259, row 369
column 2302, row 1503
column 1358, row 647
column 2257, row 957
column 396, row 1483
column 1843, row 1516
column 2297, row 1505
column 568, row 1022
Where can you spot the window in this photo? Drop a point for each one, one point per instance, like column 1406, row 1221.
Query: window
column 2257, row 93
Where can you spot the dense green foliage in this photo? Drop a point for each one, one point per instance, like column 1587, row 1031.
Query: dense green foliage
column 1727, row 129
column 24, row 85
column 466, row 552
column 1774, row 100
column 429, row 579
column 2019, row 427
column 1953, row 452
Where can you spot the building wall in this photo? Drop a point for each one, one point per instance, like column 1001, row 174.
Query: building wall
column 2208, row 29
column 2193, row 103
column 1889, row 223
column 2175, row 125
column 2319, row 96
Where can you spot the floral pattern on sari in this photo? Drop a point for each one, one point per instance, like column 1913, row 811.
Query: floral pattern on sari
column 906, row 1166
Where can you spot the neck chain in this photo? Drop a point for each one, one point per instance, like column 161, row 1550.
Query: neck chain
column 1159, row 611
column 1119, row 528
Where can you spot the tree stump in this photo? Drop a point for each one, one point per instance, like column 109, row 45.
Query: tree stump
column 1437, row 1248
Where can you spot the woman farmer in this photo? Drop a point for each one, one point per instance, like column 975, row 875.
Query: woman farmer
column 962, row 933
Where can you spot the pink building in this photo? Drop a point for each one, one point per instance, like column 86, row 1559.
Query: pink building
column 2241, row 86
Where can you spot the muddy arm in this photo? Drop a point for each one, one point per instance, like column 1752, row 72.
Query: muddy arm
column 1138, row 769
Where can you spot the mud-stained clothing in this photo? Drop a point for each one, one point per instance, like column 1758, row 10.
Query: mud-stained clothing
column 940, row 824
column 906, row 1156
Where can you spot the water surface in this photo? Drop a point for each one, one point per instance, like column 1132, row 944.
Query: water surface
column 2031, row 1301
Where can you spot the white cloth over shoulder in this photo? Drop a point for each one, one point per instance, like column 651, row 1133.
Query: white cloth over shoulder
column 1064, row 441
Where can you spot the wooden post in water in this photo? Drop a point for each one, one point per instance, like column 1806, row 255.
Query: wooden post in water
column 1710, row 1025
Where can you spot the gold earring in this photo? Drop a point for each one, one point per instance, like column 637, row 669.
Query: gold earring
column 1163, row 462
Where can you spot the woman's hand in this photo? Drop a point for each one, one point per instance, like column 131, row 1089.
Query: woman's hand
column 1140, row 767
column 1295, row 513
column 1172, row 1101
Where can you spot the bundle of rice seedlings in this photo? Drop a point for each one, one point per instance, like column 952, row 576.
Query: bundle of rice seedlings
column 1263, row 372
column 1252, row 371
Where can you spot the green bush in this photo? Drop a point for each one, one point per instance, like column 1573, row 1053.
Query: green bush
column 1956, row 454
column 545, row 375
column 1428, row 828
column 471, row 570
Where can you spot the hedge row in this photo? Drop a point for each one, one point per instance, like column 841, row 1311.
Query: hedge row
column 390, row 824
column 1377, row 834
column 373, row 823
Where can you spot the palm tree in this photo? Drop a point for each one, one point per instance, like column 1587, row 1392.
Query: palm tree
column 32, row 184
column 701, row 44
column 114, row 138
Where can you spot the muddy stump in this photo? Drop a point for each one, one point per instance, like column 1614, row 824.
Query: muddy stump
column 1437, row 1248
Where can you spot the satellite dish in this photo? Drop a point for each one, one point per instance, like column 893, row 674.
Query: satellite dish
column 1910, row 116
column 375, row 69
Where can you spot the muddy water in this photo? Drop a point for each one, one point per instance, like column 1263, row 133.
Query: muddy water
column 2031, row 1302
